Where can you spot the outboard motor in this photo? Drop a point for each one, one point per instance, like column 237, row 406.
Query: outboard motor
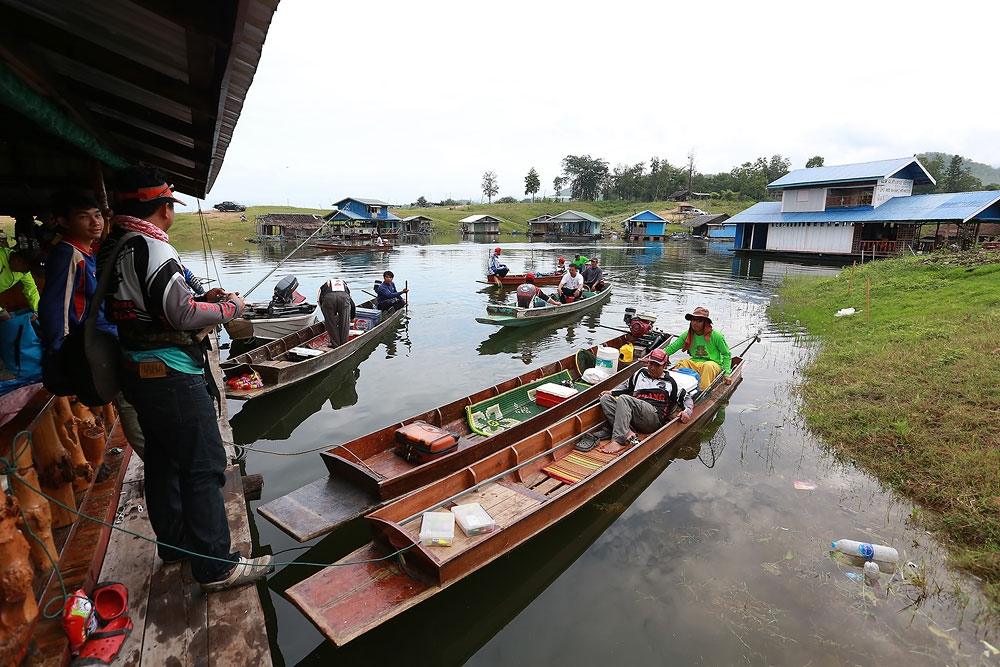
column 284, row 291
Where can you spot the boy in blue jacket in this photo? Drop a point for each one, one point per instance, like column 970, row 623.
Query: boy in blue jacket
column 389, row 300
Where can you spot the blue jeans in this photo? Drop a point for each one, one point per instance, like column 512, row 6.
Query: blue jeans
column 185, row 465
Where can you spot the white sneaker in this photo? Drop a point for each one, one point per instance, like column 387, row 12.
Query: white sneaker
column 246, row 571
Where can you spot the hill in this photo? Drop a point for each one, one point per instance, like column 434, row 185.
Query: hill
column 987, row 174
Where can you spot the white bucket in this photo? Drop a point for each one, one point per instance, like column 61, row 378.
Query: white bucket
column 607, row 359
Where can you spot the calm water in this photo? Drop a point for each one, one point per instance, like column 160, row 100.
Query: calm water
column 706, row 554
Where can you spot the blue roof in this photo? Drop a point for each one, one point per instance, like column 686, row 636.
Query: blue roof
column 904, row 167
column 645, row 216
column 362, row 200
column 945, row 207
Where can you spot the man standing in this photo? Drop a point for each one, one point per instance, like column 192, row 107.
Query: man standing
column 338, row 310
column 642, row 404
column 161, row 331
column 708, row 349
column 571, row 285
column 389, row 300
column 496, row 267
column 593, row 277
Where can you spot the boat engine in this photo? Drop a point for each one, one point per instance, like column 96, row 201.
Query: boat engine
column 640, row 326
column 285, row 294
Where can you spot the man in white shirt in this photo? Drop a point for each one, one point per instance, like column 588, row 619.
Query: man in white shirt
column 571, row 285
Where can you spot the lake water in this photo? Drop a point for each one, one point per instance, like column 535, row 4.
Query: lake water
column 706, row 554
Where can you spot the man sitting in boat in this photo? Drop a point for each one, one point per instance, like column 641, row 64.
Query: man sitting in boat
column 496, row 267
column 338, row 310
column 389, row 299
column 642, row 404
column 708, row 349
column 579, row 261
column 593, row 277
column 527, row 291
column 570, row 287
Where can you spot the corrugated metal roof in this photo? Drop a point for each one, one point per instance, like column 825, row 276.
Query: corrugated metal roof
column 646, row 216
column 415, row 218
column 481, row 218
column 570, row 215
column 365, row 201
column 711, row 218
column 944, row 207
column 849, row 173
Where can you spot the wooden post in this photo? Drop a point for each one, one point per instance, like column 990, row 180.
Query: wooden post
column 18, row 608
column 37, row 513
column 55, row 469
column 406, row 298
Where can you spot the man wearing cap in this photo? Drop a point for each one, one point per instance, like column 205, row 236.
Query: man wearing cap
column 707, row 347
column 642, row 404
column 527, row 291
column 161, row 327
column 593, row 277
column 496, row 267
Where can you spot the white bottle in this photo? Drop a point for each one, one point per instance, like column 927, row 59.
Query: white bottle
column 875, row 552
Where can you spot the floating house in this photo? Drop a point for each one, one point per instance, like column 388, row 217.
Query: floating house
column 858, row 210
column 480, row 224
column 645, row 226
column 712, row 226
column 287, row 226
column 540, row 226
column 415, row 224
column 354, row 216
column 576, row 225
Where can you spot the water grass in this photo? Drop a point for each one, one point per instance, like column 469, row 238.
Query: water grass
column 907, row 387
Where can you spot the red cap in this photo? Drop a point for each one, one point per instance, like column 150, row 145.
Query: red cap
column 562, row 260
column 496, row 250
column 658, row 356
column 530, row 276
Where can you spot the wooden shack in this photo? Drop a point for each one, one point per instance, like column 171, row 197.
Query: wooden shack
column 287, row 226
column 480, row 224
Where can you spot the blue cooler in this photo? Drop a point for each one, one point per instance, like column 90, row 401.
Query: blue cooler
column 371, row 317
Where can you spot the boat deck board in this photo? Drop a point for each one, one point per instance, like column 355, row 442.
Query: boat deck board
column 316, row 508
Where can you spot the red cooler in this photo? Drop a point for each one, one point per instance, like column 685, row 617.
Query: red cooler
column 550, row 394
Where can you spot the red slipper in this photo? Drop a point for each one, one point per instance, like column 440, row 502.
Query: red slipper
column 102, row 647
column 110, row 601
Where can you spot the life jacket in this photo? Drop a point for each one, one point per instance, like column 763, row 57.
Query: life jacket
column 662, row 393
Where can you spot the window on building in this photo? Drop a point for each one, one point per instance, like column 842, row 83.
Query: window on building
column 849, row 197
column 801, row 195
column 373, row 211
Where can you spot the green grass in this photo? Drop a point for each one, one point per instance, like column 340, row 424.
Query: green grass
column 909, row 389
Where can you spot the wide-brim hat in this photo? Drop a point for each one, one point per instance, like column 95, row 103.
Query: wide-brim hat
column 698, row 312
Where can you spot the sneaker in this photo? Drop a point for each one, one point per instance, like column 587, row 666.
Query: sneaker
column 246, row 571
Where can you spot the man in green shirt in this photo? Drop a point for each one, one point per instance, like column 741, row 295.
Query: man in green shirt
column 15, row 267
column 707, row 347
column 580, row 261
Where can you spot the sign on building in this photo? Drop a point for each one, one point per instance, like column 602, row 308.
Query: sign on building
column 887, row 188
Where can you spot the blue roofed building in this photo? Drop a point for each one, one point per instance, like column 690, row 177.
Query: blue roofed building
column 645, row 226
column 864, row 210
column 355, row 216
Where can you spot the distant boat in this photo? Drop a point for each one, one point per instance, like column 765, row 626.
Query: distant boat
column 352, row 247
column 514, row 279
column 513, row 316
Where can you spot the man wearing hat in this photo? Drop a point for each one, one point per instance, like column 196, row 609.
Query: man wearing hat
column 642, row 404
column 707, row 347
column 161, row 325
column 496, row 267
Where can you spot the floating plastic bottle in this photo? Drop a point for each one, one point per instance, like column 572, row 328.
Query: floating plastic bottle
column 869, row 552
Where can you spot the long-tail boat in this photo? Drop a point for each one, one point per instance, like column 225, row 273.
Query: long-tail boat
column 514, row 316
column 366, row 472
column 351, row 247
column 297, row 356
column 525, row 488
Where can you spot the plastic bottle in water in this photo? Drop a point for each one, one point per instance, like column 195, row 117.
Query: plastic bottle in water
column 876, row 552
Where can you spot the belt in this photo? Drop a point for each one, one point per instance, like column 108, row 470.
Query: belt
column 149, row 368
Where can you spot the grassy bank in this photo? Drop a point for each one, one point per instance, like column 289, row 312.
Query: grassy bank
column 909, row 389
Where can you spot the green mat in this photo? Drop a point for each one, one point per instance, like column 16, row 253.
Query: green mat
column 497, row 414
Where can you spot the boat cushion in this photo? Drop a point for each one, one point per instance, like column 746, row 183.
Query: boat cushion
column 497, row 414
column 305, row 352
column 576, row 465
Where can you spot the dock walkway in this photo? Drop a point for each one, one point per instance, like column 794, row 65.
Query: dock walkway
column 175, row 622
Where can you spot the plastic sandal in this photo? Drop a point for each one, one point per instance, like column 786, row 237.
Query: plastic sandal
column 102, row 647
column 247, row 571
column 110, row 600
column 586, row 443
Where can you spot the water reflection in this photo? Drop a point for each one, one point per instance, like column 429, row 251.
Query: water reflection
column 523, row 342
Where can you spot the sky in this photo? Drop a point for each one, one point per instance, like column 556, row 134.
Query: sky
column 397, row 100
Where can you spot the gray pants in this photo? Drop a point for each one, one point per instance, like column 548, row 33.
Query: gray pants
column 626, row 413
column 336, row 307
column 129, row 421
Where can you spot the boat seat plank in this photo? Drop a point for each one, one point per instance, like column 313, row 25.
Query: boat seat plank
column 318, row 507
column 547, row 486
column 388, row 464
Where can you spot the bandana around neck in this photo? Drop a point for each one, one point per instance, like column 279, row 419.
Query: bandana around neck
column 140, row 226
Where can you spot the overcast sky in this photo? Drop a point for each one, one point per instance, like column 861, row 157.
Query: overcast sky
column 401, row 99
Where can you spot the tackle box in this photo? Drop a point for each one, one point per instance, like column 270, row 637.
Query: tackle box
column 437, row 529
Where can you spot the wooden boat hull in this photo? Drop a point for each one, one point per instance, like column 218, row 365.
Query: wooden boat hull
column 366, row 472
column 515, row 279
column 346, row 602
column 509, row 316
column 279, row 374
column 346, row 247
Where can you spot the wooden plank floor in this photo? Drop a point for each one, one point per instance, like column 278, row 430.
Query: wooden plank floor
column 175, row 622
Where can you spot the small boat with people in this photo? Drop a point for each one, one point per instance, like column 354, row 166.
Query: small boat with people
column 288, row 311
column 302, row 354
column 390, row 462
column 514, row 316
column 500, row 501
column 515, row 279
column 329, row 246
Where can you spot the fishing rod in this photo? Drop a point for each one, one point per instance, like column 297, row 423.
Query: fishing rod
column 285, row 259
